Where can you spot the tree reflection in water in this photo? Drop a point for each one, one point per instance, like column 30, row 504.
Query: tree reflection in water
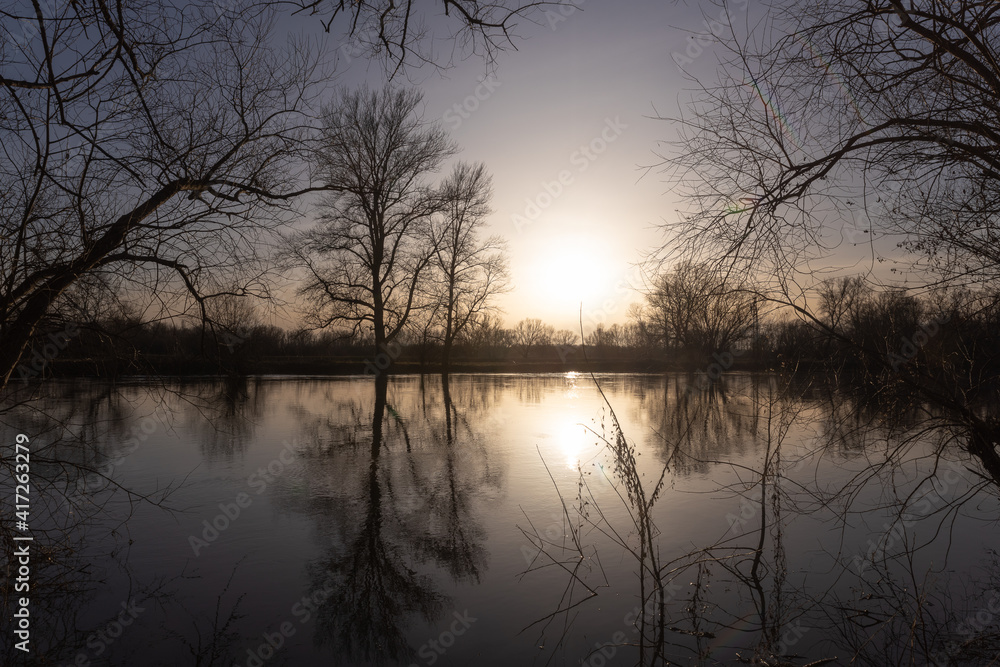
column 81, row 432
column 822, row 524
column 391, row 488
column 407, row 509
column 862, row 487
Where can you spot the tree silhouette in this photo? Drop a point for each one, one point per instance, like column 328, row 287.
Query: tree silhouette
column 532, row 332
column 365, row 258
column 467, row 272
column 151, row 146
column 695, row 307
column 400, row 34
column 893, row 139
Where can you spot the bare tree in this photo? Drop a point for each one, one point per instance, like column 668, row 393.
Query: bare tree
column 487, row 336
column 531, row 332
column 695, row 307
column 894, row 128
column 647, row 335
column 878, row 116
column 839, row 298
column 409, row 33
column 467, row 273
column 606, row 337
column 565, row 338
column 366, row 256
column 157, row 146
column 151, row 145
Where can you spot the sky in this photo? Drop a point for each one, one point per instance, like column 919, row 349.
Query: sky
column 567, row 126
column 570, row 124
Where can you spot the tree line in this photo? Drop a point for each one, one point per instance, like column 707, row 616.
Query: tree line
column 691, row 318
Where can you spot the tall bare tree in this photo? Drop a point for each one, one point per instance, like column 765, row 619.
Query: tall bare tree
column 467, row 271
column 366, row 256
column 155, row 146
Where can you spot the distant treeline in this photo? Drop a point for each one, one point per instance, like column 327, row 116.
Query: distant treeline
column 948, row 334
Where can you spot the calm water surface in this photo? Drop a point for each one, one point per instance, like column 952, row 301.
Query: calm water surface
column 487, row 522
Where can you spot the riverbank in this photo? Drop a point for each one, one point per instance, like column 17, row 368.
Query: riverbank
column 198, row 366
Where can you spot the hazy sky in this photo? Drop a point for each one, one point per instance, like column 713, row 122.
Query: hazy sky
column 564, row 124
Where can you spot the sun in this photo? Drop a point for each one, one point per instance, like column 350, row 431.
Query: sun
column 567, row 274
column 556, row 273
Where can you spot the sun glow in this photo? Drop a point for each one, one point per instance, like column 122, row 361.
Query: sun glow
column 565, row 274
column 572, row 440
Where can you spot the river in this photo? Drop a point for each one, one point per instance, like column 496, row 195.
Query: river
column 498, row 520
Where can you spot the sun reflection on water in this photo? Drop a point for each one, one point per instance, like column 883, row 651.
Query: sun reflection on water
column 571, row 440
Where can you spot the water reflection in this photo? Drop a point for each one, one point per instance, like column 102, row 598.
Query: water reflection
column 701, row 423
column 225, row 413
column 777, row 587
column 753, row 519
column 364, row 585
column 391, row 482
column 79, row 434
